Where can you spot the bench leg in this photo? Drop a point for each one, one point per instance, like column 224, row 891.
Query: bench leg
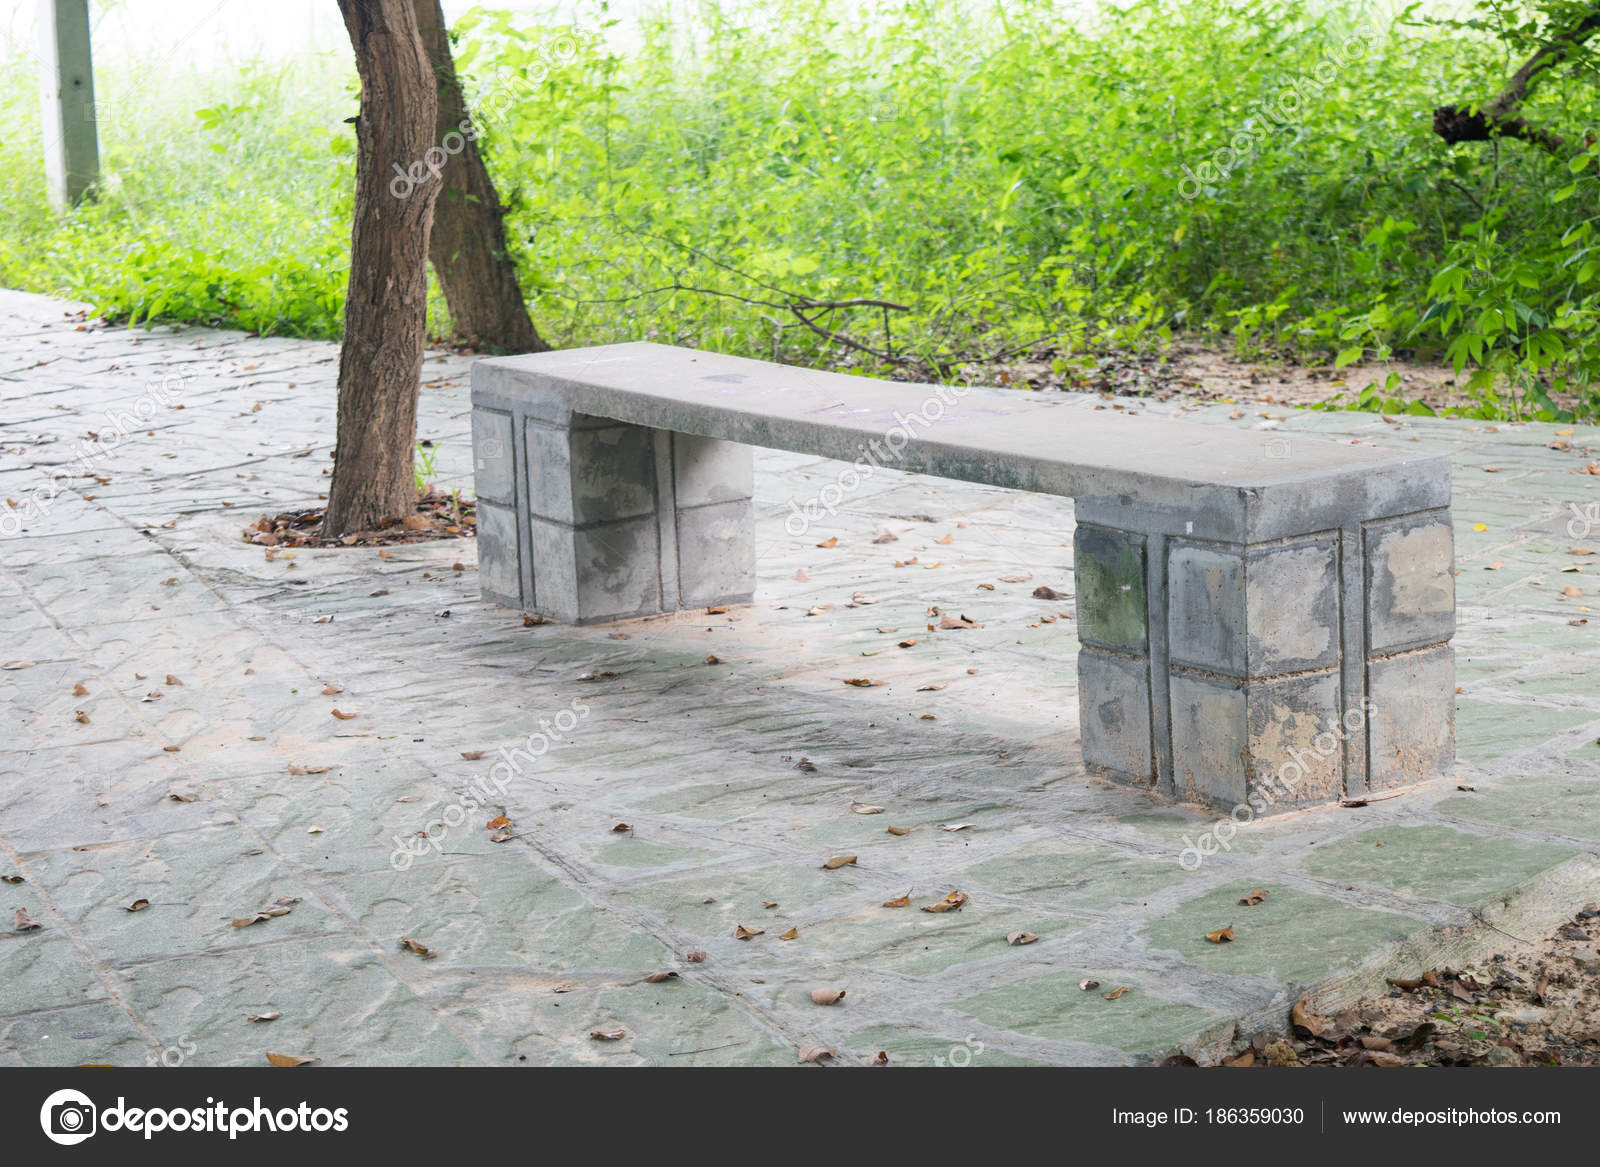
column 584, row 520
column 1276, row 675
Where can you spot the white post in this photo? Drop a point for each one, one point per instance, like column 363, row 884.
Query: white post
column 71, row 143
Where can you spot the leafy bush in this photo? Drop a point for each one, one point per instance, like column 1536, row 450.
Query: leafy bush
column 1014, row 175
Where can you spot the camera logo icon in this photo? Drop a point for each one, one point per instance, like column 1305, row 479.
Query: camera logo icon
column 68, row 1117
column 490, row 450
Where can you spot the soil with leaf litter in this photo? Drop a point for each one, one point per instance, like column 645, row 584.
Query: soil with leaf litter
column 438, row 516
column 1535, row 1004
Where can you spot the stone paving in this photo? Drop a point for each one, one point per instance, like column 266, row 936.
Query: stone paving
column 200, row 766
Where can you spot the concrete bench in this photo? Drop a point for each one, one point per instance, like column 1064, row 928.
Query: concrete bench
column 1260, row 622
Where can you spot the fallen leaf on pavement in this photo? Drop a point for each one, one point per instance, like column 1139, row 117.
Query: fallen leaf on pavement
column 865, row 808
column 1253, row 898
column 608, row 1034
column 1019, row 938
column 743, row 933
column 1221, row 935
column 421, row 950
column 950, row 903
column 899, row 901
column 827, row 996
column 838, row 861
column 1115, row 993
column 343, row 716
column 899, row 830
column 656, row 978
column 260, row 1017
column 814, row 1053
column 1088, row 984
column 138, row 905
column 791, row 934
column 289, row 1060
column 22, row 922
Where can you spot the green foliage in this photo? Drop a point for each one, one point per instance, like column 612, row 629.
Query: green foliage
column 1019, row 176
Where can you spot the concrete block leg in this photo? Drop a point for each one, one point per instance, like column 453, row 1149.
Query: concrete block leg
column 1277, row 674
column 585, row 520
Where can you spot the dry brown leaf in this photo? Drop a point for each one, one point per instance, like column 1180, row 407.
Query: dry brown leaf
column 696, row 957
column 827, row 996
column 931, row 688
column 471, row 755
column 899, row 830
column 1016, row 939
column 716, row 610
column 791, row 934
column 743, row 933
column 343, row 716
column 814, row 1053
column 1242, row 1060
column 176, row 797
column 622, row 829
column 616, row 1034
column 1571, row 593
column 172, row 680
column 246, row 921
column 421, row 950
column 138, row 905
column 13, row 665
column 22, row 922
column 863, row 683
column 881, row 1058
column 1304, row 1019
column 899, row 901
column 1088, row 984
column 865, row 808
column 80, row 717
column 78, row 690
column 950, row 903
column 887, row 537
column 838, row 861
column 1253, row 898
column 656, row 978
column 958, row 622
column 830, row 541
column 1115, row 993
column 955, row 826
column 1221, row 935
column 946, row 541
column 498, row 823
column 260, row 1017
column 912, row 643
column 11, row 879
column 289, row 1060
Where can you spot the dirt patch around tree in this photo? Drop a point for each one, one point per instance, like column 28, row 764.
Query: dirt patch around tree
column 438, row 516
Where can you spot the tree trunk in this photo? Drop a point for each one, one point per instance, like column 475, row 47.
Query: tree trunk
column 385, row 320
column 468, row 248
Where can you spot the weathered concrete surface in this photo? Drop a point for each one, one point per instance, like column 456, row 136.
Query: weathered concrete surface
column 699, row 759
column 1223, row 589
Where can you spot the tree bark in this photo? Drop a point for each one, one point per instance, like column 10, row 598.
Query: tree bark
column 386, row 305
column 1499, row 118
column 468, row 248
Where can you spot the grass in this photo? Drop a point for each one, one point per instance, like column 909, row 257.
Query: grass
column 995, row 178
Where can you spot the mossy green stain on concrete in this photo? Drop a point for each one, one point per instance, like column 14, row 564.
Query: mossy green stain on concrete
column 1073, row 875
column 1560, row 806
column 1485, row 729
column 1052, row 1006
column 1292, row 935
column 1434, row 862
column 1110, row 584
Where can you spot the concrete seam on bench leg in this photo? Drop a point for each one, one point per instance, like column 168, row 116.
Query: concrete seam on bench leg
column 1156, row 634
column 1353, row 656
column 521, row 478
column 667, row 520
